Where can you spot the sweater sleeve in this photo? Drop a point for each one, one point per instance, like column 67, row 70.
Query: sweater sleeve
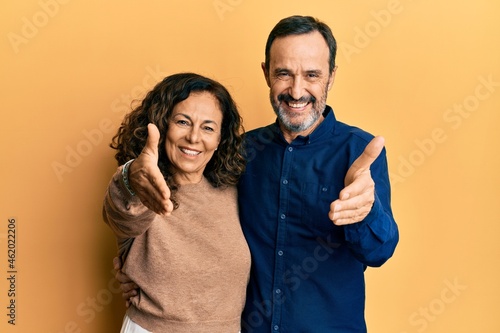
column 374, row 239
column 125, row 214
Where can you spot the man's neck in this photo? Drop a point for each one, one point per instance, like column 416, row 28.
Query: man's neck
column 290, row 135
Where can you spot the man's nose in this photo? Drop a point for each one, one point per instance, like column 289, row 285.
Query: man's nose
column 297, row 87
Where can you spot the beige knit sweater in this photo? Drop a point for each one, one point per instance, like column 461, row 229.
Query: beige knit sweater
column 192, row 267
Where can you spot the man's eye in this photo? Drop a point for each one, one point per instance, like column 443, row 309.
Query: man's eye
column 283, row 75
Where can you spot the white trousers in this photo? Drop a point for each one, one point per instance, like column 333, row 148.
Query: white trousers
column 130, row 326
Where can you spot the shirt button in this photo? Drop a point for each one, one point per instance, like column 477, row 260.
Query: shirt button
column 324, row 189
column 278, row 291
column 280, row 253
column 276, row 327
column 283, row 216
column 285, row 181
column 290, row 148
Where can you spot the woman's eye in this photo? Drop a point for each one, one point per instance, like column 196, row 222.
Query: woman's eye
column 209, row 129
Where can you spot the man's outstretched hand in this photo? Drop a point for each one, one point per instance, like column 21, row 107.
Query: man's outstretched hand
column 146, row 178
column 356, row 199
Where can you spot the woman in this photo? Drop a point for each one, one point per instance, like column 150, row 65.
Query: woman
column 192, row 265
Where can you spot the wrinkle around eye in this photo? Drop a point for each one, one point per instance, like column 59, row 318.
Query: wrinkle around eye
column 282, row 76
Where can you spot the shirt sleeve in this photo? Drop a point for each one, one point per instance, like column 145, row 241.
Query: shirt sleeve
column 124, row 213
column 374, row 239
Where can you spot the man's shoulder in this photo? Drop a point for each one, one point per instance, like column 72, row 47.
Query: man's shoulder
column 343, row 133
column 354, row 132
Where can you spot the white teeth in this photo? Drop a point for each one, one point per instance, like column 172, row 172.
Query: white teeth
column 297, row 105
column 190, row 152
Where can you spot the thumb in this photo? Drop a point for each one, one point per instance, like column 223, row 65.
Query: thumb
column 152, row 140
column 371, row 152
column 365, row 160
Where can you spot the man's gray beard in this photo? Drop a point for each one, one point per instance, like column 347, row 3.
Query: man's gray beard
column 311, row 119
column 285, row 120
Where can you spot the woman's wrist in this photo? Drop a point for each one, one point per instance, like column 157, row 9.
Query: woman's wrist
column 125, row 178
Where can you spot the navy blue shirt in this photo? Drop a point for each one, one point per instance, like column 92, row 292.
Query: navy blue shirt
column 308, row 274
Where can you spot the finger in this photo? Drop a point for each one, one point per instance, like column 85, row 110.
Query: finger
column 161, row 190
column 160, row 208
column 128, row 290
column 158, row 196
column 116, row 264
column 158, row 203
column 129, row 295
column 349, row 220
column 354, row 205
column 362, row 183
column 152, row 189
column 369, row 155
column 122, row 278
column 344, row 216
column 128, row 286
column 147, row 180
column 343, row 208
column 348, row 212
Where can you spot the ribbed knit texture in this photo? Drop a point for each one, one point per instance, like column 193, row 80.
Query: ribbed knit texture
column 192, row 267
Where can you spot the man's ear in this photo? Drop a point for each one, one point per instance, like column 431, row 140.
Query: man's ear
column 331, row 79
column 266, row 74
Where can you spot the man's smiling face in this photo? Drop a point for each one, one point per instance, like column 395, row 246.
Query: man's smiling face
column 299, row 80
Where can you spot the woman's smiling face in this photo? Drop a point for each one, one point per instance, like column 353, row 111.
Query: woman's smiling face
column 193, row 134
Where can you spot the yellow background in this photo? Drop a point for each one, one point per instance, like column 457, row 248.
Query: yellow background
column 425, row 74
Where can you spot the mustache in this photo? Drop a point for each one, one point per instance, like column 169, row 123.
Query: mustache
column 303, row 99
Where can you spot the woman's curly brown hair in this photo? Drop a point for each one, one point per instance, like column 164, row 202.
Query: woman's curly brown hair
column 228, row 162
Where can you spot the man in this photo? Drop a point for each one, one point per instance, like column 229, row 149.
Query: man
column 314, row 199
